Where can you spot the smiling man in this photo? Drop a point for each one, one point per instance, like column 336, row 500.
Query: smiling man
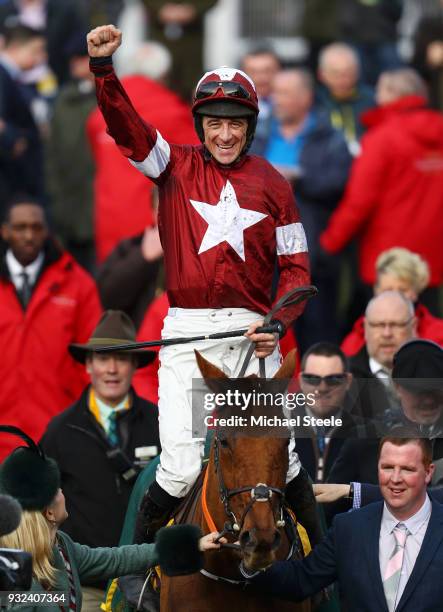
column 386, row 556
column 97, row 441
column 388, row 323
column 225, row 218
column 325, row 377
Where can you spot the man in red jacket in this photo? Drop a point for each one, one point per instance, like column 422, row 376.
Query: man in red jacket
column 394, row 195
column 46, row 302
column 225, row 218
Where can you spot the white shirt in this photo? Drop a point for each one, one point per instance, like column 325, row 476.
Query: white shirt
column 379, row 371
column 106, row 411
column 16, row 269
column 416, row 526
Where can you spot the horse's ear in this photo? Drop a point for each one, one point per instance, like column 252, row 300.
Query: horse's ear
column 208, row 369
column 287, row 368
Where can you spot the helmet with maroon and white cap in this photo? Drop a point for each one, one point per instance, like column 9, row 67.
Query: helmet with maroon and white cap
column 226, row 92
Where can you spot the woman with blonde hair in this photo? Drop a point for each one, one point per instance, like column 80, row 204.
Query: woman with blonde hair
column 59, row 564
column 398, row 269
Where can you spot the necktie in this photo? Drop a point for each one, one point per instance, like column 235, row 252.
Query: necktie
column 391, row 578
column 385, row 378
column 25, row 291
column 112, row 431
column 321, row 438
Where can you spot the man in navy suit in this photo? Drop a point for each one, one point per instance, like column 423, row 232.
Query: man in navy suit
column 375, row 570
column 21, row 151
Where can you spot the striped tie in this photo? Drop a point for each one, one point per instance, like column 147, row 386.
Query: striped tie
column 391, row 578
column 112, row 431
column 72, row 599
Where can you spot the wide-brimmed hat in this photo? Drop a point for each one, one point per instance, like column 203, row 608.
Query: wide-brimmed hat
column 418, row 366
column 28, row 475
column 114, row 327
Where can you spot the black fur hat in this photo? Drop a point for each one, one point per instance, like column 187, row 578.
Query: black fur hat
column 178, row 550
column 28, row 475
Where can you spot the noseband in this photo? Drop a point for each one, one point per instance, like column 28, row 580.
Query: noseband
column 259, row 493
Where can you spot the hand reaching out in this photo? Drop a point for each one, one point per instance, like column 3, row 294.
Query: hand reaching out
column 326, row 493
column 208, row 542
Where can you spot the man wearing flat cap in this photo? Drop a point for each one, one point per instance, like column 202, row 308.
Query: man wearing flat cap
column 97, row 440
column 418, row 379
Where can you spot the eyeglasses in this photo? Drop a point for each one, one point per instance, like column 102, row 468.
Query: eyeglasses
column 229, row 88
column 395, row 325
column 332, row 380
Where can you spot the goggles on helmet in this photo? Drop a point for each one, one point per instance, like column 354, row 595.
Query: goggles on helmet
column 229, row 88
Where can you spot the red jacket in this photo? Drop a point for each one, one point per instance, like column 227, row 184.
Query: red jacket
column 428, row 327
column 222, row 228
column 118, row 187
column 39, row 378
column 394, row 197
column 145, row 381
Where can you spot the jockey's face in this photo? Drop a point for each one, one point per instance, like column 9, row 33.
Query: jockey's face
column 225, row 137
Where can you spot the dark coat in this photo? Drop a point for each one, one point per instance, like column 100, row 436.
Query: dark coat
column 70, row 169
column 23, row 172
column 429, row 30
column 358, row 459
column 372, row 398
column 96, row 493
column 126, row 281
column 371, row 493
column 64, row 20
column 185, row 43
column 307, row 448
column 345, row 114
column 349, row 554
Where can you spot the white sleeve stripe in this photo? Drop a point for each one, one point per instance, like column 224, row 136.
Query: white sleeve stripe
column 291, row 239
column 157, row 159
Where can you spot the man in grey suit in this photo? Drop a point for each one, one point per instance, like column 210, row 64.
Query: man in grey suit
column 387, row 556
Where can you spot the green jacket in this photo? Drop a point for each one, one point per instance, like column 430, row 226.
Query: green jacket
column 87, row 563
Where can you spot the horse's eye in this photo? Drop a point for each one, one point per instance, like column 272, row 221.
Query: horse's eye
column 224, row 443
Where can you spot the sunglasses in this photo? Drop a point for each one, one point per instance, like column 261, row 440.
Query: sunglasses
column 332, row 380
column 229, row 88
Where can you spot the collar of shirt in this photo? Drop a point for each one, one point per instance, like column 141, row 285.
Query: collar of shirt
column 16, row 269
column 413, row 523
column 378, row 370
column 12, row 68
column 105, row 411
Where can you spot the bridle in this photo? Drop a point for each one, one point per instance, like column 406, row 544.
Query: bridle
column 260, row 493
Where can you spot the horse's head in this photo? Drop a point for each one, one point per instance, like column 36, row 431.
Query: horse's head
column 250, row 463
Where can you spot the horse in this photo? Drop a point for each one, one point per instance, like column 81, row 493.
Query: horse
column 242, row 496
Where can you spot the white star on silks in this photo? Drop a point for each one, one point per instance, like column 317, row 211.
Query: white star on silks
column 226, row 221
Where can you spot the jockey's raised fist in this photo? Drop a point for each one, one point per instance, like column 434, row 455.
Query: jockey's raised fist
column 103, row 41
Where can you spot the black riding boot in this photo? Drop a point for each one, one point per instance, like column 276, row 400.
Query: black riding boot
column 154, row 512
column 301, row 499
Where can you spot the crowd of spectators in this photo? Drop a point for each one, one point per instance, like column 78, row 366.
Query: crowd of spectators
column 355, row 128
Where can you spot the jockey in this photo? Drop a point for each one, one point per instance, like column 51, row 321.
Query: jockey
column 225, row 217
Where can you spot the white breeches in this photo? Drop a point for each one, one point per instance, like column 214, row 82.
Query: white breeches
column 181, row 456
